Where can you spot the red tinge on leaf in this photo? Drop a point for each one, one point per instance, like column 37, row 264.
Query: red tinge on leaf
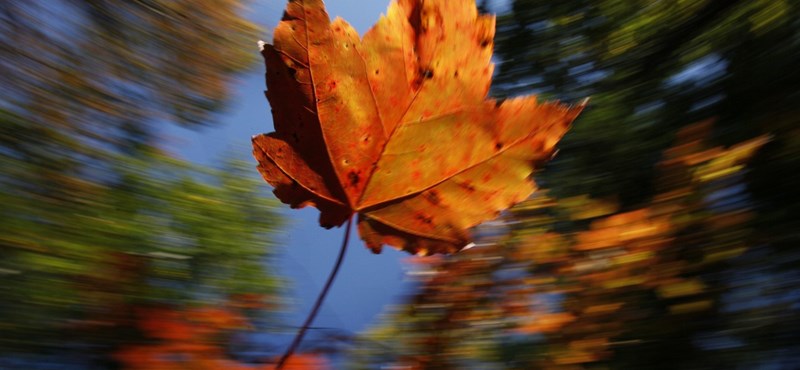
column 397, row 126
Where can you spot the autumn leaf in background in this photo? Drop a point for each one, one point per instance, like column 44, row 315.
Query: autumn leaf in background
column 195, row 338
column 397, row 126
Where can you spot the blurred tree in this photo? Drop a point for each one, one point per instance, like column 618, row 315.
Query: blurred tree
column 96, row 220
column 639, row 255
column 650, row 68
column 149, row 230
column 109, row 72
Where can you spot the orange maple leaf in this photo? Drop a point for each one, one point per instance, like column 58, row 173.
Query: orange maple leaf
column 397, row 126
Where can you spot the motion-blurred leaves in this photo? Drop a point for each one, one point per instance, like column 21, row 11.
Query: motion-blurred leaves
column 111, row 71
column 96, row 219
column 149, row 230
column 621, row 289
column 661, row 243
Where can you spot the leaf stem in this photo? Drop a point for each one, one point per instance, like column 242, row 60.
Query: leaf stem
column 299, row 337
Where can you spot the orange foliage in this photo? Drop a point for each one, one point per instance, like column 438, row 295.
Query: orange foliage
column 545, row 323
column 188, row 340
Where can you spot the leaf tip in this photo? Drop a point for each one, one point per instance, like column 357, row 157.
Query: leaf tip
column 255, row 140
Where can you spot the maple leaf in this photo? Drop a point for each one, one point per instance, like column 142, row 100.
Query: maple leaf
column 397, row 126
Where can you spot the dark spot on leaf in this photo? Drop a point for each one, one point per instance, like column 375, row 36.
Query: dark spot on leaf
column 292, row 72
column 377, row 72
column 455, row 74
column 353, row 177
column 485, row 43
column 424, row 219
column 433, row 197
column 468, row 187
column 498, row 146
column 426, row 73
column 499, row 102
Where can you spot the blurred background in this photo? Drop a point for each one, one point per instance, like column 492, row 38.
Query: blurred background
column 136, row 234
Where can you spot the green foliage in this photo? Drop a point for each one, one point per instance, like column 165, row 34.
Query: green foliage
column 149, row 230
column 96, row 220
column 650, row 68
